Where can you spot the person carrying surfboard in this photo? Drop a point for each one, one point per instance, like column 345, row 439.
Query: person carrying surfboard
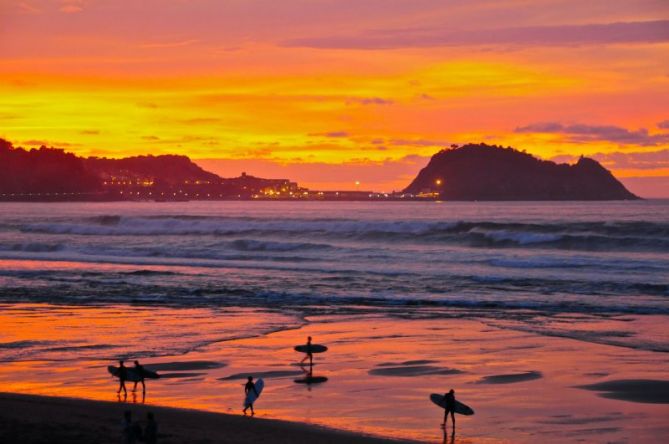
column 122, row 376
column 449, row 407
column 309, row 355
column 139, row 369
column 247, row 389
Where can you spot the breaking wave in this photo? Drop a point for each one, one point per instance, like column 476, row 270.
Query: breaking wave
column 595, row 236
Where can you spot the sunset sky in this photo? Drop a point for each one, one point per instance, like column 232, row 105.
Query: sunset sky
column 329, row 92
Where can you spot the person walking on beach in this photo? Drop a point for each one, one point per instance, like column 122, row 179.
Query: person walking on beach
column 139, row 369
column 130, row 431
column 309, row 355
column 151, row 429
column 449, row 407
column 122, row 377
column 250, row 386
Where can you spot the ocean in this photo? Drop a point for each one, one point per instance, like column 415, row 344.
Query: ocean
column 579, row 257
column 577, row 292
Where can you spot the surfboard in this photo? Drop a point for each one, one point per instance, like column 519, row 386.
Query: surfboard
column 312, row 380
column 460, row 408
column 132, row 374
column 313, row 348
column 251, row 396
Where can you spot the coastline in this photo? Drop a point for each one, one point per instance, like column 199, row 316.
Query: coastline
column 30, row 419
column 555, row 387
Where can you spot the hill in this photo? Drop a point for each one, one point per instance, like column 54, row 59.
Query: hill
column 52, row 174
column 170, row 169
column 43, row 170
column 485, row 172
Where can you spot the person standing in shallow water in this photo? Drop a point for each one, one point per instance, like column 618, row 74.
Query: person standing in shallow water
column 139, row 369
column 122, row 377
column 250, row 385
column 449, row 407
column 309, row 355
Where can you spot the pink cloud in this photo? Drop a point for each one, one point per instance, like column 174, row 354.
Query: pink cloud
column 586, row 133
column 557, row 35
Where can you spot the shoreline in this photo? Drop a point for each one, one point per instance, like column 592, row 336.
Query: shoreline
column 31, row 418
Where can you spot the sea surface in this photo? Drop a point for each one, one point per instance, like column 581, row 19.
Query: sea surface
column 494, row 258
column 528, row 302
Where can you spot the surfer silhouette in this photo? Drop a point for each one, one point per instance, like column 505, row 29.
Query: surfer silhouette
column 151, row 429
column 139, row 369
column 247, row 389
column 309, row 355
column 131, row 431
column 122, row 376
column 449, row 407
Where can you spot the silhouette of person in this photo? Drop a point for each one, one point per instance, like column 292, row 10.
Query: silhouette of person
column 309, row 373
column 250, row 385
column 130, row 431
column 139, row 369
column 449, row 407
column 309, row 355
column 122, row 377
column 151, row 429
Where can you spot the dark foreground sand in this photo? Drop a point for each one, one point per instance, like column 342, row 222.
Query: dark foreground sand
column 30, row 419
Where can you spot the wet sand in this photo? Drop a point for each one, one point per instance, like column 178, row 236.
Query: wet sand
column 635, row 390
column 381, row 369
column 28, row 419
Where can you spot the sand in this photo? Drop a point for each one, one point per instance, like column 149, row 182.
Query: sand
column 380, row 370
column 29, row 419
column 636, row 390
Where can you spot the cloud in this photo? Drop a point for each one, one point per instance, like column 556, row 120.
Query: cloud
column 418, row 142
column 202, row 120
column 580, row 133
column 90, row 132
column 27, row 8
column 177, row 44
column 369, row 101
column 664, row 124
column 39, row 143
column 639, row 160
column 334, row 134
column 559, row 35
column 71, row 6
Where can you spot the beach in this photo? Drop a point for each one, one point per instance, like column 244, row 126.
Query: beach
column 521, row 385
column 548, row 321
column 39, row 419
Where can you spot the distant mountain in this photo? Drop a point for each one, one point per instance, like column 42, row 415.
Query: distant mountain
column 52, row 174
column 170, row 169
column 43, row 170
column 484, row 172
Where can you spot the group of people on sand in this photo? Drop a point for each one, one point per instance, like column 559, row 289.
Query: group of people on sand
column 132, row 432
column 449, row 398
column 123, row 376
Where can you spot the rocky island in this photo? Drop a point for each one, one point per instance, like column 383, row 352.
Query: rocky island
column 488, row 172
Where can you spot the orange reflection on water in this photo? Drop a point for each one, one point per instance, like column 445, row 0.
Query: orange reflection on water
column 381, row 369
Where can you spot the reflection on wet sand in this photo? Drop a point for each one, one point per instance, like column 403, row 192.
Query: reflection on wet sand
column 359, row 399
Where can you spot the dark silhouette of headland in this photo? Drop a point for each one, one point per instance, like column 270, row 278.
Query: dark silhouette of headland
column 470, row 172
column 51, row 174
column 485, row 172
